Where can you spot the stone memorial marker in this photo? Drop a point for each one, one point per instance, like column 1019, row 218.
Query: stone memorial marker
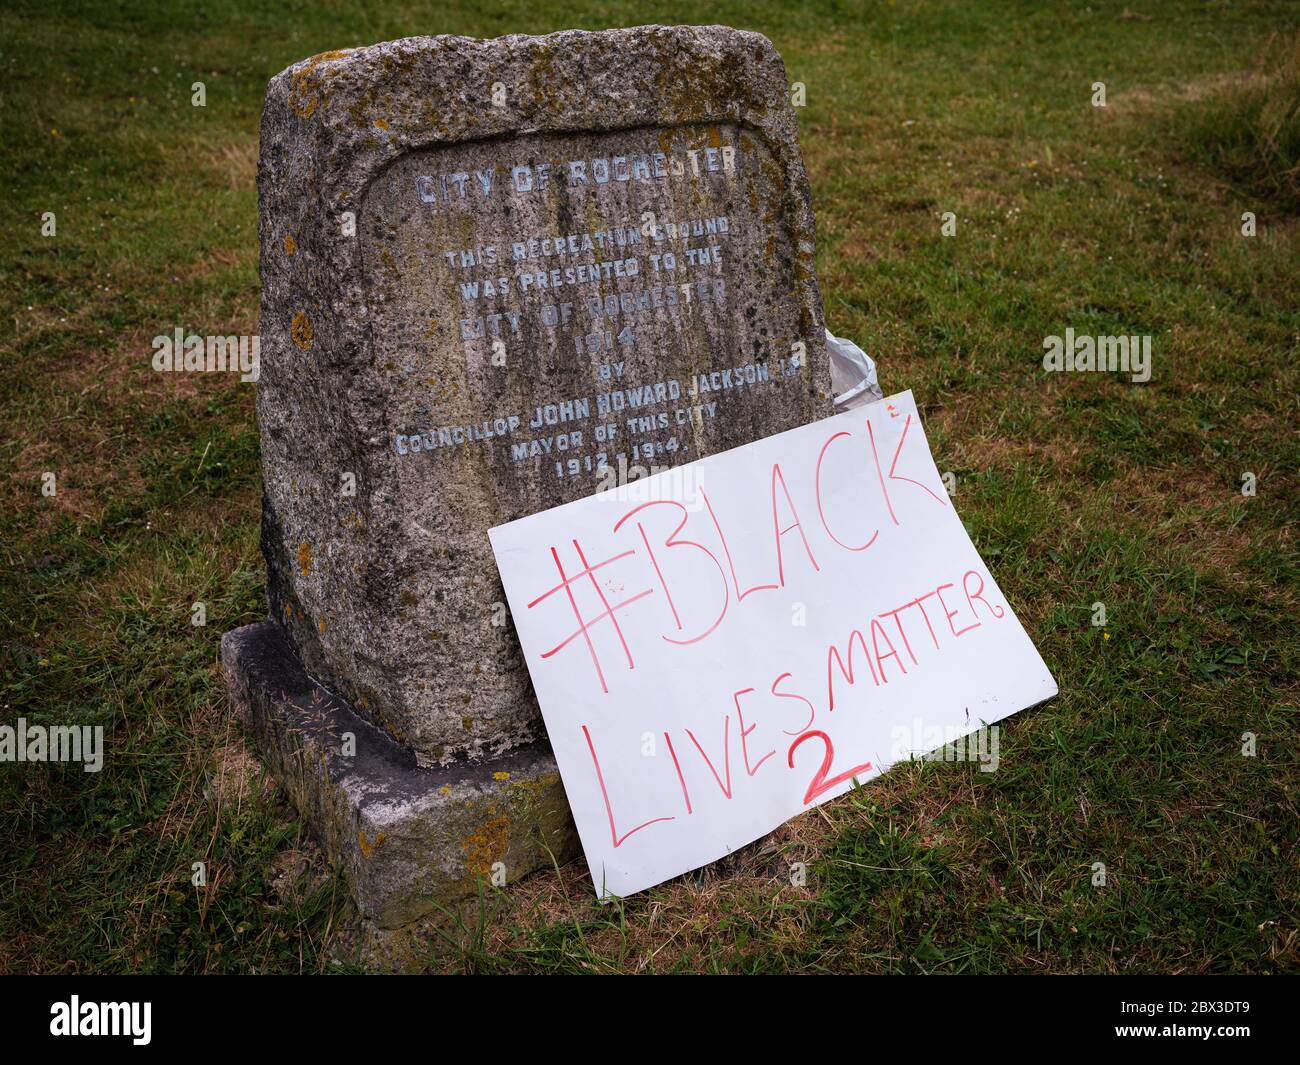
column 497, row 276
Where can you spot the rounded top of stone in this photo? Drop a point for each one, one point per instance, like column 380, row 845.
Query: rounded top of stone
column 373, row 102
column 651, row 33
column 704, row 59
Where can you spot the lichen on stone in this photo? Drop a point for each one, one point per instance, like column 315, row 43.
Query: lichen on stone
column 487, row 845
column 368, row 848
column 301, row 331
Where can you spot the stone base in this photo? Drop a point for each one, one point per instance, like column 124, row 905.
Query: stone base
column 408, row 840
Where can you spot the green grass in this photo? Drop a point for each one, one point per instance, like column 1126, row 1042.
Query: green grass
column 1251, row 132
column 1077, row 489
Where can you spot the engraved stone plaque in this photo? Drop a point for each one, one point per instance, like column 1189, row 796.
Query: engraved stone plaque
column 498, row 276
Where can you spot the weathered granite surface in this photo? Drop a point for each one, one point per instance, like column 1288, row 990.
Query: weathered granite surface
column 407, row 839
column 391, row 175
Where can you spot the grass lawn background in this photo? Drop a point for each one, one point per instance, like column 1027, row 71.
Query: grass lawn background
column 1077, row 488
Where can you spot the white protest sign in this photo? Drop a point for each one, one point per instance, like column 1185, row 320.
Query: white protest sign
column 723, row 645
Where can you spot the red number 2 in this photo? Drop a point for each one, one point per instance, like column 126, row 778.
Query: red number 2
column 819, row 784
